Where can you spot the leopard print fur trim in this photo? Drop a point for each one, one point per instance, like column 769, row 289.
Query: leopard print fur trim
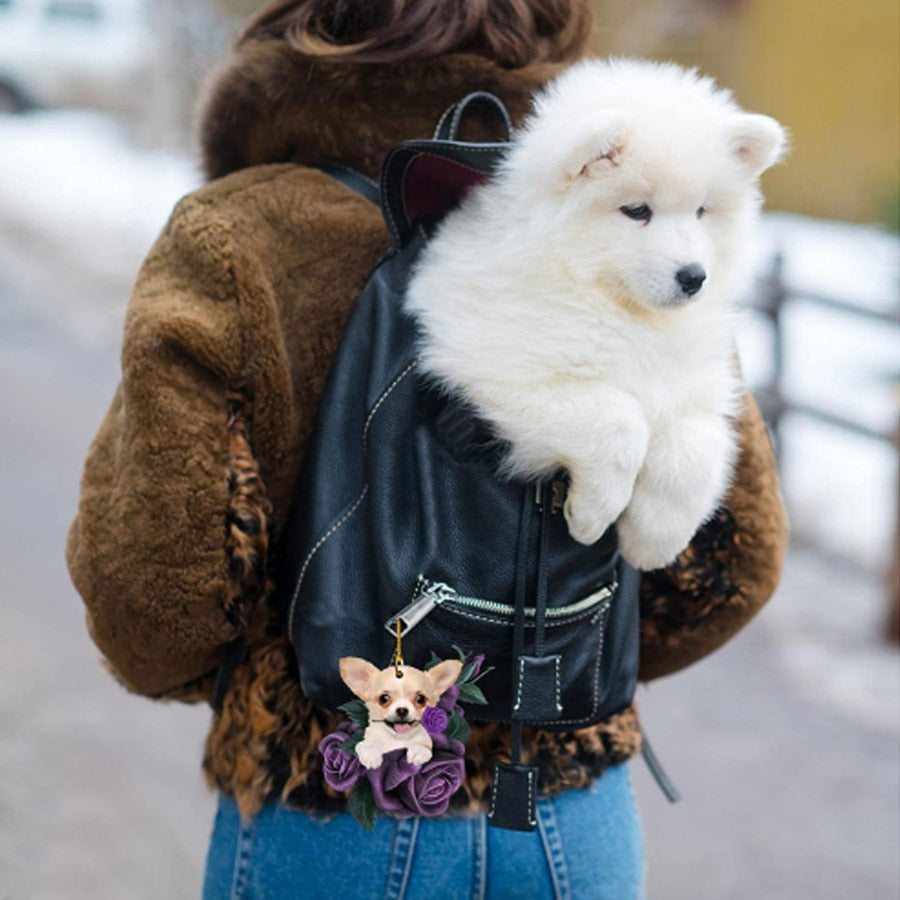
column 263, row 744
column 246, row 522
column 703, row 579
column 247, row 519
column 264, row 741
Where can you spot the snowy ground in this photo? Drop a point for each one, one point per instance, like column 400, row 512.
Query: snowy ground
column 793, row 791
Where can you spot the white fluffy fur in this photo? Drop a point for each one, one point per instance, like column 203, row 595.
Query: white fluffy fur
column 560, row 318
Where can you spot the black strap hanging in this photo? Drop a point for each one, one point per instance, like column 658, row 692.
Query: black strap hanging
column 514, row 791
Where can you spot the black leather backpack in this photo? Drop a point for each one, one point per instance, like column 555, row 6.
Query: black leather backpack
column 400, row 514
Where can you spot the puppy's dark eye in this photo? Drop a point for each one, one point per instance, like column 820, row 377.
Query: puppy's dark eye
column 384, row 699
column 640, row 212
column 701, row 212
column 421, row 699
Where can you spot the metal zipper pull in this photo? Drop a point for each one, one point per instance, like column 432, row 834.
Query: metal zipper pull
column 428, row 594
column 557, row 492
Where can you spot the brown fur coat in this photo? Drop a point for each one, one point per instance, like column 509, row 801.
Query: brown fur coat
column 233, row 321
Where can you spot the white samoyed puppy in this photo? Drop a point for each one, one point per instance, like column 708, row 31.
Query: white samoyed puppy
column 582, row 300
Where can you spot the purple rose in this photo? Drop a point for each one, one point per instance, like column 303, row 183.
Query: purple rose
column 450, row 745
column 428, row 792
column 395, row 770
column 449, row 698
column 435, row 720
column 340, row 768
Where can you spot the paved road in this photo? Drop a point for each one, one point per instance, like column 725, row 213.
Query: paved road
column 785, row 744
column 100, row 795
column 785, row 747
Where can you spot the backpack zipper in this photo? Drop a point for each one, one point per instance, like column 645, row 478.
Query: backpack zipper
column 429, row 594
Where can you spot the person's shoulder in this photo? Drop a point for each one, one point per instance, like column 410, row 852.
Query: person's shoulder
column 268, row 217
column 279, row 193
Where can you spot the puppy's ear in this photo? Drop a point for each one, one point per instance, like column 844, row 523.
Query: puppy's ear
column 358, row 675
column 758, row 142
column 599, row 143
column 444, row 674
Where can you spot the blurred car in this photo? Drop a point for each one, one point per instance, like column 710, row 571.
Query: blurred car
column 72, row 52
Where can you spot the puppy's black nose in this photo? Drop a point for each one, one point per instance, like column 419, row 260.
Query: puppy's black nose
column 690, row 278
column 401, row 712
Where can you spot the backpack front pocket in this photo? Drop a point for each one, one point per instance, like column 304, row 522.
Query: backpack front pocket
column 439, row 618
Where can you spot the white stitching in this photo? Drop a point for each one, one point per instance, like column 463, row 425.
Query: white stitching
column 600, row 641
column 559, row 706
column 521, row 682
column 487, row 147
column 593, row 711
column 359, row 500
column 441, row 121
column 410, row 856
column 381, row 400
column 457, row 118
column 554, row 852
column 531, row 820
column 315, row 549
column 493, row 809
column 555, row 623
column 463, row 105
column 601, row 613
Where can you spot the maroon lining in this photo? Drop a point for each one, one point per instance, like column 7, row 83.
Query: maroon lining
column 434, row 185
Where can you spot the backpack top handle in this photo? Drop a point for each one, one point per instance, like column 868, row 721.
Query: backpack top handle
column 448, row 125
column 422, row 180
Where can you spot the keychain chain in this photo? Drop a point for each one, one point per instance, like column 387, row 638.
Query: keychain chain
column 398, row 652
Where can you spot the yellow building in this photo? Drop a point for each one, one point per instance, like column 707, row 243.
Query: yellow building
column 827, row 69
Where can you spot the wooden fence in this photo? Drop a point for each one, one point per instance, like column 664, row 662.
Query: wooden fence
column 771, row 300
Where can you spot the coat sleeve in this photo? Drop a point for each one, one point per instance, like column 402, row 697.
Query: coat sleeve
column 228, row 336
column 728, row 572
column 146, row 550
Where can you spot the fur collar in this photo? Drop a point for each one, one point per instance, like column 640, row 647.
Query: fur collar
column 269, row 105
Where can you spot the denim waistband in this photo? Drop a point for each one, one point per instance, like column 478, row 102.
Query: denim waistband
column 587, row 844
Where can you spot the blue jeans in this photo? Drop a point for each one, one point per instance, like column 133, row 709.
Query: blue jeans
column 588, row 844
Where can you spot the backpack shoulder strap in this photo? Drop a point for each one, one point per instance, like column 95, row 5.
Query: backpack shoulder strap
column 352, row 179
column 421, row 180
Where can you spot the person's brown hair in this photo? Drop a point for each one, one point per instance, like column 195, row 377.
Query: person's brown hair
column 512, row 32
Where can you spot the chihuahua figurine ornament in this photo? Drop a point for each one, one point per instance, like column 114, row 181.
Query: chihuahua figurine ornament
column 396, row 697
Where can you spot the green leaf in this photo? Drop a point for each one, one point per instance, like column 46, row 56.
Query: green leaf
column 460, row 652
column 361, row 803
column 352, row 741
column 471, row 693
column 433, row 660
column 357, row 711
column 458, row 728
column 469, row 663
column 481, row 675
column 466, row 673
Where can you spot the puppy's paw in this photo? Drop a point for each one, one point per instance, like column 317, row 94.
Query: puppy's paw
column 418, row 754
column 369, row 755
column 586, row 523
column 652, row 545
column 594, row 503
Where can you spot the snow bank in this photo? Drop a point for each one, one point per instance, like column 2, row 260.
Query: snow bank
column 73, row 179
